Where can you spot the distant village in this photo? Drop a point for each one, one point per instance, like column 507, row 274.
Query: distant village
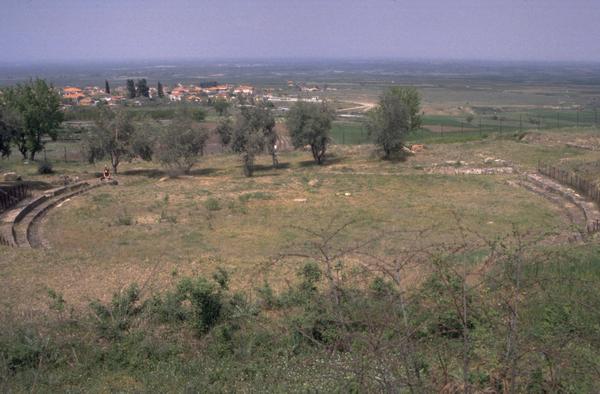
column 92, row 95
column 201, row 93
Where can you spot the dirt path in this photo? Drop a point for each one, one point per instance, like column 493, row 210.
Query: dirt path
column 362, row 107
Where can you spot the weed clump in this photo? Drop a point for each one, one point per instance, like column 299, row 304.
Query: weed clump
column 124, row 218
column 212, row 204
column 255, row 196
column 113, row 321
column 165, row 217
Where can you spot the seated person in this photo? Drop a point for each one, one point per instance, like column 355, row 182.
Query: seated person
column 105, row 174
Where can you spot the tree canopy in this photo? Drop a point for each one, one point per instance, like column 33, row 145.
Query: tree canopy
column 310, row 124
column 225, row 131
column 221, row 106
column 131, row 92
column 32, row 112
column 141, row 88
column 6, row 135
column 395, row 116
column 114, row 135
column 181, row 143
column 159, row 90
column 250, row 132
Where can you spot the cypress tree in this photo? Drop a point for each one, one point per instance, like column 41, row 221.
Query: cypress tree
column 142, row 89
column 106, row 87
column 131, row 88
column 160, row 91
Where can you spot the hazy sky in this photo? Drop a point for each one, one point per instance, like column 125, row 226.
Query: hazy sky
column 440, row 29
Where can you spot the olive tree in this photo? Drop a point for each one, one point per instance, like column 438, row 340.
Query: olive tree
column 253, row 129
column 180, row 144
column 394, row 117
column 221, row 106
column 35, row 107
column 224, row 130
column 5, row 139
column 310, row 124
column 8, row 130
column 115, row 135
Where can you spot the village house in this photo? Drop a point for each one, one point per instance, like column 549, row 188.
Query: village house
column 72, row 95
column 244, row 89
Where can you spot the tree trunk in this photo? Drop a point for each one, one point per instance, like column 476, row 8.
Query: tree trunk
column 32, row 155
column 248, row 164
column 318, row 154
column 275, row 160
column 114, row 161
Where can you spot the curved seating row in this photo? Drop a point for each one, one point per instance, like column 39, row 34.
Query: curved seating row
column 16, row 225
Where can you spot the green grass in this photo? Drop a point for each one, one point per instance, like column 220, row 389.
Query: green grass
column 349, row 133
column 446, row 120
column 428, row 137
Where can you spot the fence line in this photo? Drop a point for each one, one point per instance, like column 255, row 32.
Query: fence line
column 583, row 186
column 12, row 195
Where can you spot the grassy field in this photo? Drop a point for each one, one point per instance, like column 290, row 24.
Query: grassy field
column 64, row 329
column 151, row 226
column 349, row 133
column 361, row 275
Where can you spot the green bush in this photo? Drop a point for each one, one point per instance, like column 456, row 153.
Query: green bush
column 205, row 300
column 113, row 321
column 26, row 348
column 169, row 308
column 212, row 204
column 45, row 167
column 195, row 300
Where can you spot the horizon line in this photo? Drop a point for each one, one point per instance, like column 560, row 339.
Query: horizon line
column 298, row 59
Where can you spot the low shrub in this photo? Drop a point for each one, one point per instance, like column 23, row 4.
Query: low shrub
column 124, row 219
column 45, row 167
column 255, row 196
column 114, row 320
column 212, row 204
column 26, row 348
